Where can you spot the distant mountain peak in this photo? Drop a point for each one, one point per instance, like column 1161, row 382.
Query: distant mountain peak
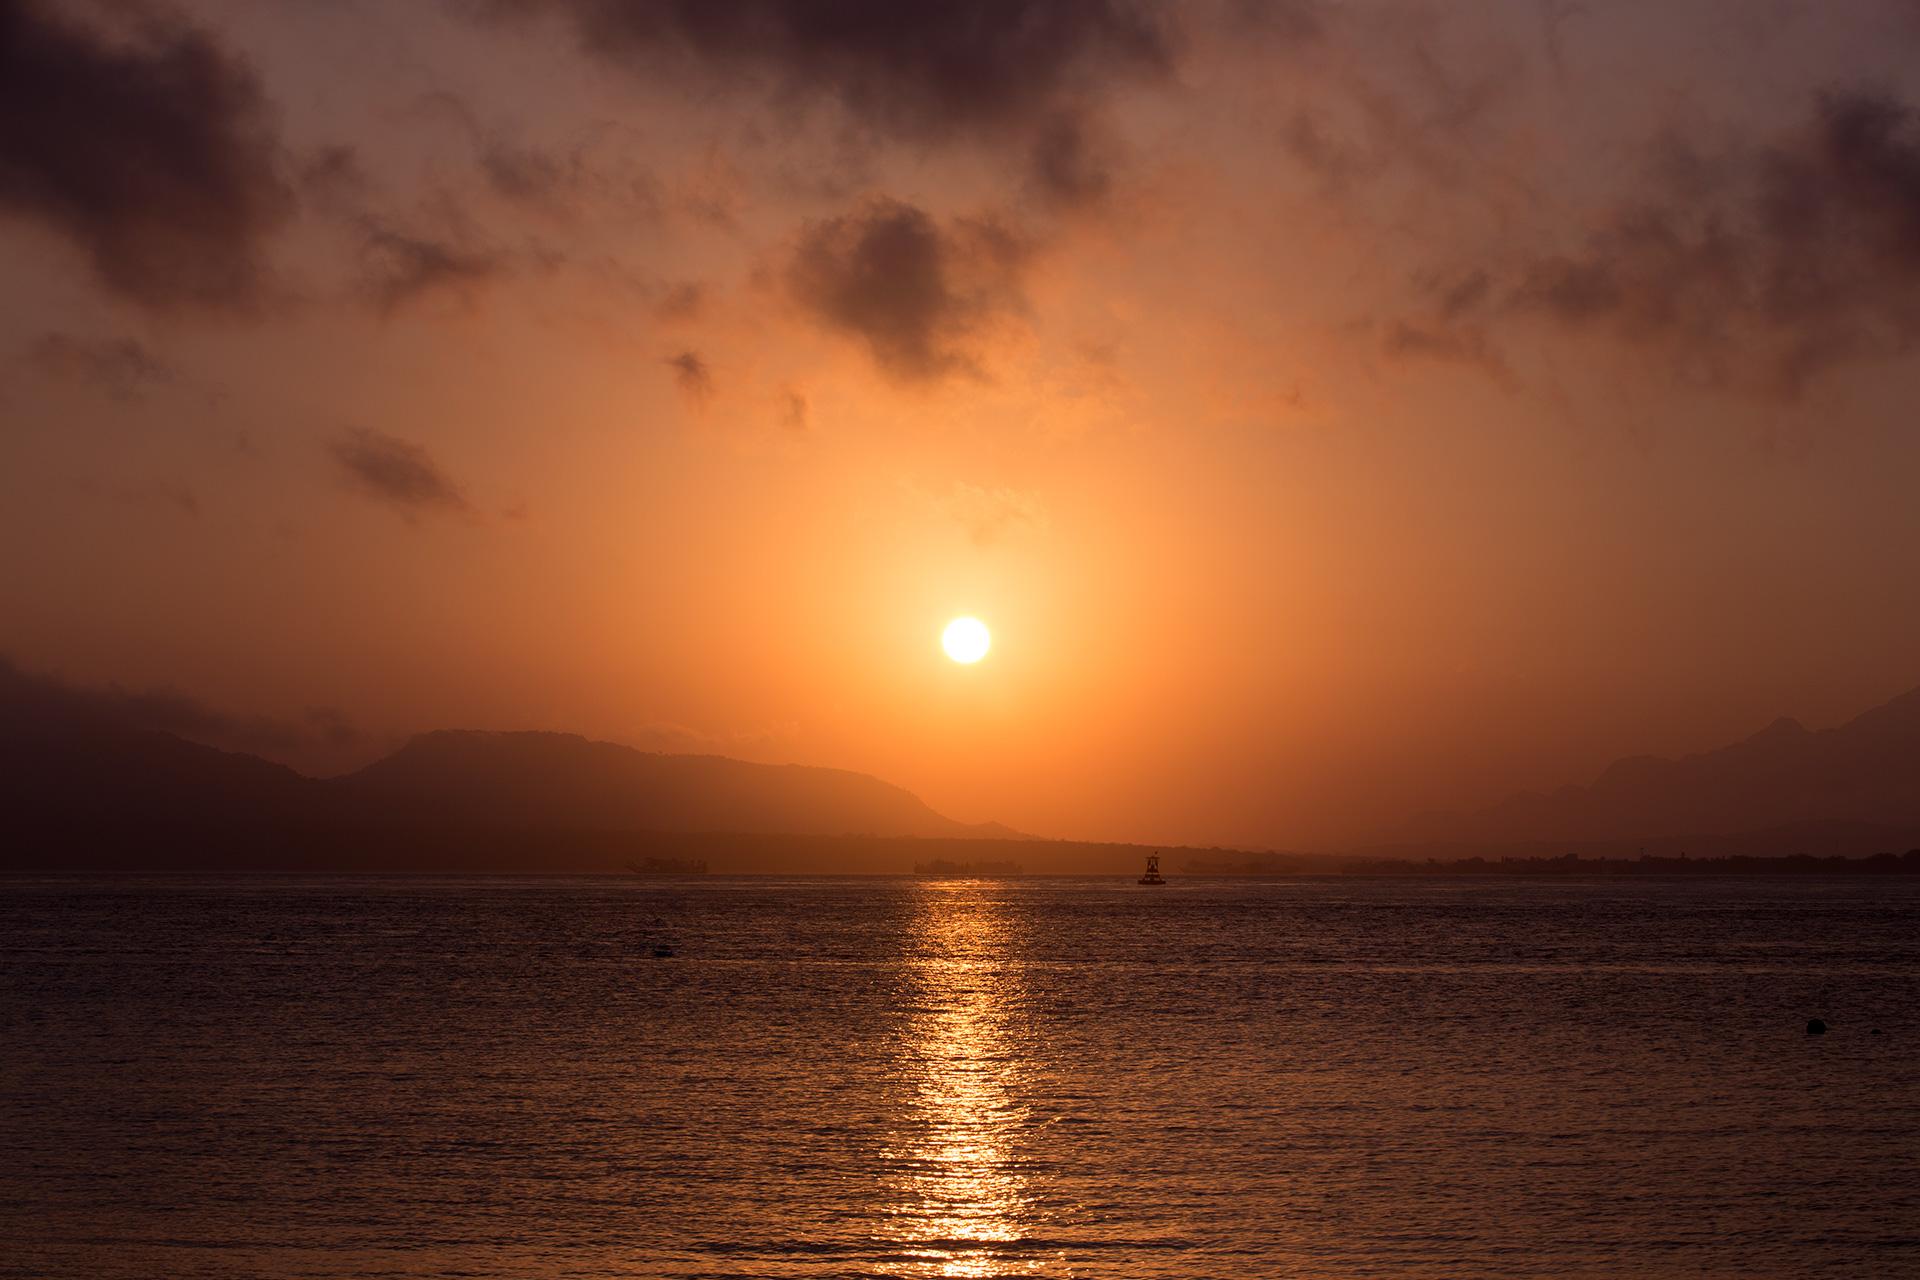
column 1866, row 771
column 1784, row 727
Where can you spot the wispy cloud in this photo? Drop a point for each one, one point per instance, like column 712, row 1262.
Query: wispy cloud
column 693, row 376
column 399, row 473
column 992, row 515
column 120, row 368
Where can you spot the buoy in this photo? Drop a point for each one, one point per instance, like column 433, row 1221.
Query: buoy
column 1815, row 1027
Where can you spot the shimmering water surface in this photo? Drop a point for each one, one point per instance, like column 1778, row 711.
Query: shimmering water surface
column 925, row 1078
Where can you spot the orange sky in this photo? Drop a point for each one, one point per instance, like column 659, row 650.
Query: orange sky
column 1336, row 410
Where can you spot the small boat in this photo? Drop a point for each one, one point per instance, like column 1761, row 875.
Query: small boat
column 1153, row 875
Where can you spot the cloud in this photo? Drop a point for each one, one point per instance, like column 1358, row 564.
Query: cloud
column 1760, row 271
column 120, row 368
column 1444, row 343
column 1307, row 137
column 990, row 516
column 1068, row 166
column 1454, row 331
column 916, row 293
column 34, row 705
column 795, row 413
column 400, row 268
column 1808, row 260
column 596, row 170
column 681, row 302
column 530, row 175
column 403, row 258
column 1017, row 76
column 332, row 178
column 693, row 376
column 398, row 472
column 919, row 71
column 1294, row 20
column 154, row 154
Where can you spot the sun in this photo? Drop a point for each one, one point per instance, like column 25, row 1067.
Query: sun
column 966, row 640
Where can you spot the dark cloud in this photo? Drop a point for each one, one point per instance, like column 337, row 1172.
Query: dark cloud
column 1464, row 295
column 795, row 412
column 403, row 257
column 596, row 168
column 1803, row 258
column 681, row 302
column 1761, row 271
column 155, row 154
column 537, row 177
column 1292, row 20
column 693, row 376
column 35, row 705
column 333, row 179
column 1555, row 17
column 399, row 267
column 1012, row 74
column 572, row 182
column 1422, row 103
column 398, row 472
column 1453, row 330
column 924, row 71
column 1307, row 138
column 1069, row 167
column 915, row 292
column 527, row 174
column 1446, row 343
column 120, row 368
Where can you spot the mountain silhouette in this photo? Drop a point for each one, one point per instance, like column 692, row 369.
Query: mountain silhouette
column 144, row 776
column 84, row 786
column 1857, row 782
column 563, row 780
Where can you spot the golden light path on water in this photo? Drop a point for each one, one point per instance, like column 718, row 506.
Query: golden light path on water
column 961, row 1203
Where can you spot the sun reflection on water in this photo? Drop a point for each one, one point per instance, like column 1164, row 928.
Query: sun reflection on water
column 962, row 1204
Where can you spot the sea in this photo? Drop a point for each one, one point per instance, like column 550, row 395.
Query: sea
column 822, row 1077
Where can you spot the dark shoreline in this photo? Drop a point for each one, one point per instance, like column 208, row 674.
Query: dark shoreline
column 1879, row 864
column 462, row 849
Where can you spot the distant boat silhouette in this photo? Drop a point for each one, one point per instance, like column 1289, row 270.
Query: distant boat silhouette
column 1153, row 875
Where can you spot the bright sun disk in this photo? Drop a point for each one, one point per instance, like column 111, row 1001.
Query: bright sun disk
column 966, row 640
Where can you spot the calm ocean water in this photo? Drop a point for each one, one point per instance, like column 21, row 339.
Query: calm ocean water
column 914, row 1078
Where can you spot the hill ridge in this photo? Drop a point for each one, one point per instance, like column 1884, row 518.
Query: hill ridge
column 1864, row 772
